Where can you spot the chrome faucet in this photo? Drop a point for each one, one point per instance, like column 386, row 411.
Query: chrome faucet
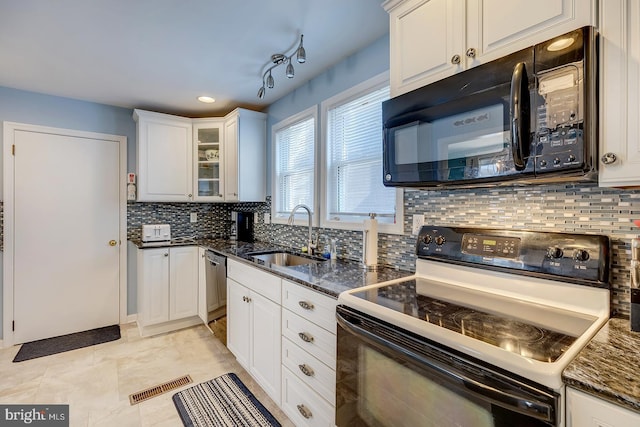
column 311, row 246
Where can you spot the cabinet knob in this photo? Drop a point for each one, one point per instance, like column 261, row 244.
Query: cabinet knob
column 609, row 158
column 306, row 305
column 166, row 254
column 304, row 411
column 112, row 243
column 471, row 52
column 305, row 337
column 455, row 59
column 190, row 195
column 306, row 370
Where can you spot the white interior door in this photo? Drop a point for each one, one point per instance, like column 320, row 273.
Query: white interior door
column 66, row 213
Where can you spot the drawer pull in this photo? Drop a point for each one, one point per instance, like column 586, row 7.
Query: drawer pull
column 306, row 370
column 304, row 411
column 305, row 337
column 306, row 305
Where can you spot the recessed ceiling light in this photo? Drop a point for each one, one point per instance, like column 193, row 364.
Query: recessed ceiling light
column 206, row 99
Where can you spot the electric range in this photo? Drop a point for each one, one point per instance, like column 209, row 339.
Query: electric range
column 508, row 304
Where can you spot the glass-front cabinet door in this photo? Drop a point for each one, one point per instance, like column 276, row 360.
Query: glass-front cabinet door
column 207, row 139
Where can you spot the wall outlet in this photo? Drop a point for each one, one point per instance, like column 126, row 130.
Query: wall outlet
column 194, row 217
column 267, row 218
column 418, row 222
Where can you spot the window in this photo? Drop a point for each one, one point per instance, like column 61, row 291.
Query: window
column 353, row 160
column 294, row 171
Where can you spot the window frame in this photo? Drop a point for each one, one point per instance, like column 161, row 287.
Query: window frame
column 348, row 95
column 301, row 215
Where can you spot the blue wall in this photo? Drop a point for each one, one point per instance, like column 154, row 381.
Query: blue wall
column 357, row 68
column 45, row 110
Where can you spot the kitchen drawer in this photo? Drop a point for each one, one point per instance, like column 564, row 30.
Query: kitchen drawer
column 320, row 377
column 320, row 309
column 321, row 343
column 265, row 284
column 299, row 400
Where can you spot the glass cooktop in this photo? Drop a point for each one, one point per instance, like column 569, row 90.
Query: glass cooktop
column 532, row 330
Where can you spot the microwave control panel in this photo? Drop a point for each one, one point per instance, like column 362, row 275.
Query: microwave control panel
column 559, row 138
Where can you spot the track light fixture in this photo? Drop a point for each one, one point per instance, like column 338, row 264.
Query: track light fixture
column 279, row 59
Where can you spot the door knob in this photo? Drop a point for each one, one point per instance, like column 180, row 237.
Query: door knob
column 112, row 243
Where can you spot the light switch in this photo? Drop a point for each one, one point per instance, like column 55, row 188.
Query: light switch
column 418, row 222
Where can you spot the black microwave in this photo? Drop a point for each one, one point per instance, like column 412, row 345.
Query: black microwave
column 531, row 116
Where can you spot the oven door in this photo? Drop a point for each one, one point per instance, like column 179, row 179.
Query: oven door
column 390, row 377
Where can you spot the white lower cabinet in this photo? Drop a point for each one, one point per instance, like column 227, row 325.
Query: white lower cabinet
column 584, row 410
column 308, row 356
column 302, row 405
column 284, row 335
column 167, row 289
column 253, row 324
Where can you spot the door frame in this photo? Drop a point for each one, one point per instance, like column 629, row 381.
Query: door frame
column 9, row 128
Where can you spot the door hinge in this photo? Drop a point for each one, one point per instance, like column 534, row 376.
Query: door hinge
column 13, row 149
column 13, row 326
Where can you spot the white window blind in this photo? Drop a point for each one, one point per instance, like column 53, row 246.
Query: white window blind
column 355, row 160
column 294, row 165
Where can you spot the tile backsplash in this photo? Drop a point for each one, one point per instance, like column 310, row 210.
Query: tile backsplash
column 583, row 208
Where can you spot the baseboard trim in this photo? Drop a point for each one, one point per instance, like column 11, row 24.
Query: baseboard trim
column 132, row 318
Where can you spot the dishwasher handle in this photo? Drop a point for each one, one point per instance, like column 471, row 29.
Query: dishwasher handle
column 215, row 259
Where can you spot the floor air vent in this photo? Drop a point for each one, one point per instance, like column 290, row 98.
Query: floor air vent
column 159, row 389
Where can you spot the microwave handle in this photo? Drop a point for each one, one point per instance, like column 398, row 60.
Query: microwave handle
column 519, row 114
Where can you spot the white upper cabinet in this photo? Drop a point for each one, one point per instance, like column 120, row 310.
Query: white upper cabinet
column 203, row 160
column 208, row 160
column 620, row 93
column 433, row 39
column 164, row 157
column 245, row 158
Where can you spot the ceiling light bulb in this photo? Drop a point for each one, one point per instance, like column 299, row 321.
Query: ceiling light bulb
column 270, row 82
column 206, row 99
column 290, row 70
column 261, row 92
column 301, row 53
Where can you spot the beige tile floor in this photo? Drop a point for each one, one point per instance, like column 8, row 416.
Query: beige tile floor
column 96, row 381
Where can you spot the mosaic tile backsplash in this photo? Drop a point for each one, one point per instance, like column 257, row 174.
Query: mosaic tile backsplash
column 583, row 208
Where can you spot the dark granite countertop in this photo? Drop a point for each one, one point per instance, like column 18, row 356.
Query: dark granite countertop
column 327, row 277
column 609, row 365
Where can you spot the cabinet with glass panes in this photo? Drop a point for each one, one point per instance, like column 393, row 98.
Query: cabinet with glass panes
column 207, row 139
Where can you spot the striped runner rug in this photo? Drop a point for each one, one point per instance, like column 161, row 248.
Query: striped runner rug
column 225, row 402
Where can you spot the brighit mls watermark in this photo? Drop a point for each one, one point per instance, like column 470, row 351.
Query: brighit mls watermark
column 34, row 415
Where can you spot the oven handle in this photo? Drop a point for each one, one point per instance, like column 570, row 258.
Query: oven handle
column 519, row 113
column 517, row 403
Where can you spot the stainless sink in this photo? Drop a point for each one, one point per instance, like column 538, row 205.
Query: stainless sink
column 284, row 259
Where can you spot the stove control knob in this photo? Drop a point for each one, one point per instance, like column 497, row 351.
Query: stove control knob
column 440, row 240
column 581, row 255
column 554, row 252
column 426, row 239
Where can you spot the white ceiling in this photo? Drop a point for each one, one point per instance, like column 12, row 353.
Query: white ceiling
column 162, row 54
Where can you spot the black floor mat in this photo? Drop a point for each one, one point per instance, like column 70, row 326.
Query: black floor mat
column 49, row 346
